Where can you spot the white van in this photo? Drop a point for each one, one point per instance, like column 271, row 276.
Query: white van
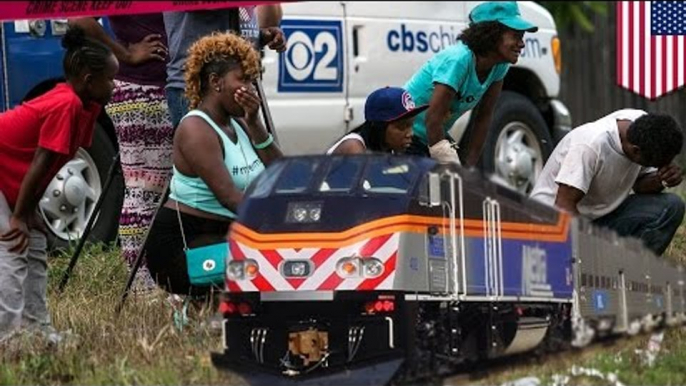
column 339, row 52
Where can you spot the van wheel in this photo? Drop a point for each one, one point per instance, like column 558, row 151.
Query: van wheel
column 518, row 143
column 70, row 198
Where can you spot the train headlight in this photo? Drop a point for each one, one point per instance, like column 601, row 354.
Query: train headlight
column 234, row 271
column 356, row 267
column 315, row 214
column 300, row 214
column 242, row 270
column 373, row 268
column 348, row 267
column 296, row 269
column 304, row 212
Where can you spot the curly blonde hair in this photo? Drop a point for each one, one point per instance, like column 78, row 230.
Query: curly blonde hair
column 221, row 51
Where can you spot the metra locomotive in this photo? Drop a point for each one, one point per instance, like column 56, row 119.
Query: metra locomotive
column 366, row 263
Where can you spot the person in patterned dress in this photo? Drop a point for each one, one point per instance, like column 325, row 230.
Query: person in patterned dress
column 140, row 115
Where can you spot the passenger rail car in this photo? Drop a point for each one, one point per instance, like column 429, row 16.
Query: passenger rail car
column 361, row 263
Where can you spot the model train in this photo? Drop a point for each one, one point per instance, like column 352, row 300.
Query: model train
column 366, row 263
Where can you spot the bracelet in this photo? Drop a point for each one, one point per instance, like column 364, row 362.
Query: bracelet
column 265, row 144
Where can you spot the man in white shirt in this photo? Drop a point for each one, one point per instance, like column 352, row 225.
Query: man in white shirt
column 595, row 167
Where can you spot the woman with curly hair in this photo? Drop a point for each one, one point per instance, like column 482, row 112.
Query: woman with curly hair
column 468, row 75
column 219, row 148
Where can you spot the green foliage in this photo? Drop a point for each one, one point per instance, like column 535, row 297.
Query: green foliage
column 575, row 13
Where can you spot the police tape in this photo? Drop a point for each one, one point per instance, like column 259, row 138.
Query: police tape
column 21, row 10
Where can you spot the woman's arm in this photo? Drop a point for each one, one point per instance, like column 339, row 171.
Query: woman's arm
column 200, row 154
column 438, row 112
column 350, row 146
column 482, row 122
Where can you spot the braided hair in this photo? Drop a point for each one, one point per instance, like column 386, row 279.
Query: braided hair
column 374, row 135
column 83, row 54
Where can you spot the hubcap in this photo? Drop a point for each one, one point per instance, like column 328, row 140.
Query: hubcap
column 70, row 198
column 518, row 156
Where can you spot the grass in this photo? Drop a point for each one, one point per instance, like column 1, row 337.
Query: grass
column 140, row 346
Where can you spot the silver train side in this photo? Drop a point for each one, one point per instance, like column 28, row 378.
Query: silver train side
column 374, row 268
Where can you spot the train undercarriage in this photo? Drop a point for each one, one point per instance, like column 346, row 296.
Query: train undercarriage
column 379, row 338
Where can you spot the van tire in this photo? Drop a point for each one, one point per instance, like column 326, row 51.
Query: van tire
column 102, row 153
column 517, row 161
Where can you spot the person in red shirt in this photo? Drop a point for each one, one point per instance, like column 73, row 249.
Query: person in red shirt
column 36, row 139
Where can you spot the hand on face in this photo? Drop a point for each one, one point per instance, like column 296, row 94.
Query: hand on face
column 670, row 175
column 248, row 100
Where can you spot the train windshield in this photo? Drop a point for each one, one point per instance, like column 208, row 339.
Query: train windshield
column 297, row 176
column 381, row 175
column 342, row 175
column 338, row 174
column 389, row 175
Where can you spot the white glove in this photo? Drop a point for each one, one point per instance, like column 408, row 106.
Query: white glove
column 443, row 151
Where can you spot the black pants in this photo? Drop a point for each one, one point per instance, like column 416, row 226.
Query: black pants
column 653, row 218
column 164, row 249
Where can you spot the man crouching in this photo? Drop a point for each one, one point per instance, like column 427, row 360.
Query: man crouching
column 595, row 169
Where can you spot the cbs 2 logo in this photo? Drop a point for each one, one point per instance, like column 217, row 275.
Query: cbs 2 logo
column 313, row 61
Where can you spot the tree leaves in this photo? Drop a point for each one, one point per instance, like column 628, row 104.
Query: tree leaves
column 575, row 14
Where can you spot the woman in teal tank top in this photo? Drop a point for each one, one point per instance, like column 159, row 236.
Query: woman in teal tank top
column 468, row 75
column 220, row 146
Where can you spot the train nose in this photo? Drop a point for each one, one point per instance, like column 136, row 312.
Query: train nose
column 379, row 373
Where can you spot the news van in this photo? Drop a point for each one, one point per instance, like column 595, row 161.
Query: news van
column 338, row 52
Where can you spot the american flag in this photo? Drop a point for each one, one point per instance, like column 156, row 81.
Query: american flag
column 650, row 46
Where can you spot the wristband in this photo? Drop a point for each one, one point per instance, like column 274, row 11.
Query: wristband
column 265, row 144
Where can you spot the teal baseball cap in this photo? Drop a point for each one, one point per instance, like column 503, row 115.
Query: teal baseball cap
column 505, row 12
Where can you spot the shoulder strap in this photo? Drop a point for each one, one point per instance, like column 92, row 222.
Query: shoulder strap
column 241, row 132
column 206, row 118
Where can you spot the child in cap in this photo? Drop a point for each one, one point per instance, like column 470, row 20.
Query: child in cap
column 389, row 116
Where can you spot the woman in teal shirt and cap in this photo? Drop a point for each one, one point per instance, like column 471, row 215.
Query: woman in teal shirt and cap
column 468, row 75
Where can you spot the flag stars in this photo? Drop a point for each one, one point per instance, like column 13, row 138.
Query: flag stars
column 668, row 18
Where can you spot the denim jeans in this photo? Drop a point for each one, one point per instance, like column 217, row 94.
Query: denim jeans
column 653, row 218
column 23, row 280
column 178, row 105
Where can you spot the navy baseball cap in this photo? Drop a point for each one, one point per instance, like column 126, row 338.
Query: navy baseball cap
column 505, row 12
column 390, row 104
